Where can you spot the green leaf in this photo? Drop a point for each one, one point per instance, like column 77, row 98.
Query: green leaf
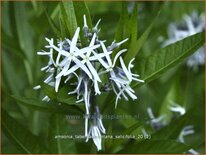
column 8, row 74
column 136, row 45
column 58, row 127
column 23, row 29
column 35, row 104
column 127, row 26
column 155, row 147
column 81, row 9
column 132, row 130
column 132, row 24
column 164, row 59
column 22, row 138
column 49, row 91
column 52, row 24
column 62, row 96
column 68, row 14
column 120, row 32
column 24, row 34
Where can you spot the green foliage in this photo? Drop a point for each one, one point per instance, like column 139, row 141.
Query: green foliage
column 68, row 16
column 35, row 104
column 163, row 59
column 21, row 137
column 157, row 147
column 30, row 125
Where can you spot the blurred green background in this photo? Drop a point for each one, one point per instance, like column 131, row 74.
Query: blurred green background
column 24, row 27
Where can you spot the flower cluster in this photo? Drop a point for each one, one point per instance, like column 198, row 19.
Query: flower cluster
column 87, row 64
column 157, row 123
column 190, row 25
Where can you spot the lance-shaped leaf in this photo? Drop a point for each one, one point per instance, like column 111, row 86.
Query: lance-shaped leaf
column 59, row 126
column 81, row 9
column 136, row 45
column 127, row 26
column 164, row 59
column 68, row 15
column 54, row 107
column 22, row 138
column 155, row 147
column 52, row 24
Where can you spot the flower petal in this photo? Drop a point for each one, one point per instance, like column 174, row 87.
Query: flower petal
column 106, row 53
column 74, row 40
column 66, row 67
column 117, row 55
column 125, row 69
column 100, row 60
column 86, row 49
column 83, row 67
column 72, row 69
column 93, row 71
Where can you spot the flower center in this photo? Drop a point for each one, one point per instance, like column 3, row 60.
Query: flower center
column 71, row 55
column 86, row 58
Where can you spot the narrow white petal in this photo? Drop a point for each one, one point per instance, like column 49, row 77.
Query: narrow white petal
column 89, row 134
column 81, row 100
column 160, row 118
column 64, row 61
column 85, row 21
column 86, row 49
column 130, row 65
column 117, row 55
column 37, row 87
column 97, row 23
column 135, row 75
column 72, row 69
column 50, row 41
column 135, row 79
column 106, row 53
column 93, row 71
column 192, row 151
column 101, row 55
column 97, row 138
column 118, row 97
column 91, row 44
column 85, row 98
column 100, row 60
column 57, row 82
column 114, row 89
column 121, row 81
column 125, row 69
column 62, row 52
column 130, row 89
column 150, row 113
column 49, row 79
column 58, row 58
column 51, row 84
column 43, row 53
column 78, row 86
column 86, row 126
column 74, row 40
column 103, row 72
column 44, row 68
column 75, row 48
column 100, row 125
column 66, row 67
column 123, row 94
column 46, row 98
column 68, row 78
column 123, row 41
column 130, row 94
column 83, row 67
column 96, row 87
